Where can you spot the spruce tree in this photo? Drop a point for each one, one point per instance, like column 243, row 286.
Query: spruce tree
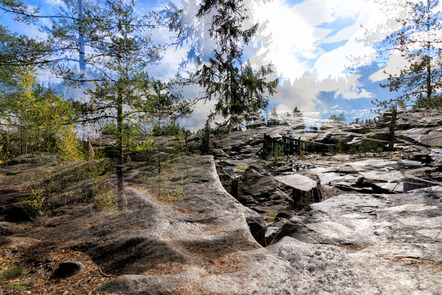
column 226, row 76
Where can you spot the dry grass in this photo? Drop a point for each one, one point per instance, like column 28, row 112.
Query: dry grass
column 38, row 270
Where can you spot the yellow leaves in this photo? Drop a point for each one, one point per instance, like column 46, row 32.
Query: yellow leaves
column 40, row 112
column 68, row 145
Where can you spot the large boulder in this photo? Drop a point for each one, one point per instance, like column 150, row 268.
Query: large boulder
column 263, row 192
column 304, row 190
column 433, row 139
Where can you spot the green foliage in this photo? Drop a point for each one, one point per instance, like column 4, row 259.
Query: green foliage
column 19, row 51
column 340, row 146
column 125, row 96
column 87, row 170
column 338, row 118
column 434, row 103
column 420, row 79
column 106, row 198
column 270, row 216
column 9, row 272
column 68, row 145
column 353, row 149
column 275, row 156
column 238, row 88
column 53, row 180
column 36, row 199
column 164, row 186
column 165, row 106
column 167, row 129
column 220, row 129
column 130, row 134
column 179, row 145
column 250, row 179
column 145, row 146
column 304, row 200
column 35, row 116
column 117, row 43
column 21, row 286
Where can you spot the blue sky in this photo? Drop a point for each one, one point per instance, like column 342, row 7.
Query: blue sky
column 313, row 43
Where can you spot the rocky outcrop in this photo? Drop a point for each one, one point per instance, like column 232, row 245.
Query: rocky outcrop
column 304, row 190
column 328, row 269
column 194, row 238
column 262, row 192
column 377, row 176
column 409, row 221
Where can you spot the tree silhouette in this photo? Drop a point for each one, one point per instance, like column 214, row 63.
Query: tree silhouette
column 226, row 77
column 419, row 42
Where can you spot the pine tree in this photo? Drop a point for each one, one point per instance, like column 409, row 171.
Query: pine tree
column 166, row 105
column 121, row 48
column 237, row 88
column 19, row 51
column 419, row 42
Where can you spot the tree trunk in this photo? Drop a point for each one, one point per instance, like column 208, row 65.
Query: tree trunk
column 206, row 139
column 428, row 57
column 81, row 46
column 429, row 87
column 391, row 131
column 122, row 201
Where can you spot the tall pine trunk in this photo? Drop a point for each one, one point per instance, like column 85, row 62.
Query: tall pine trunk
column 392, row 129
column 429, row 86
column 122, row 201
column 81, row 42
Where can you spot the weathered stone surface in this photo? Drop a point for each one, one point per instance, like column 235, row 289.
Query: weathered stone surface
column 377, row 176
column 327, row 269
column 257, row 225
column 199, row 242
column 259, row 191
column 6, row 228
column 364, row 221
column 433, row 139
column 298, row 182
column 303, row 190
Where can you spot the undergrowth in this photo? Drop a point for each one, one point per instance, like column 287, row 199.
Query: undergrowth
column 48, row 182
column 12, row 275
column 163, row 184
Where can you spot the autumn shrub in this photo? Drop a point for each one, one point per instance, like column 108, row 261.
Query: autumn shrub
column 68, row 145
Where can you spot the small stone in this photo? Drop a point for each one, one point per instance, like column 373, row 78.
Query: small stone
column 67, row 269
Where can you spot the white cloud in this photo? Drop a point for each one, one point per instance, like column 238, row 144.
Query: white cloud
column 393, row 67
column 351, row 88
column 55, row 2
column 301, row 93
column 293, row 37
column 296, row 36
column 342, row 35
column 199, row 116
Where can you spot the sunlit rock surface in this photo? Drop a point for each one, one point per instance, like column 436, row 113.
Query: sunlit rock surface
column 199, row 241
